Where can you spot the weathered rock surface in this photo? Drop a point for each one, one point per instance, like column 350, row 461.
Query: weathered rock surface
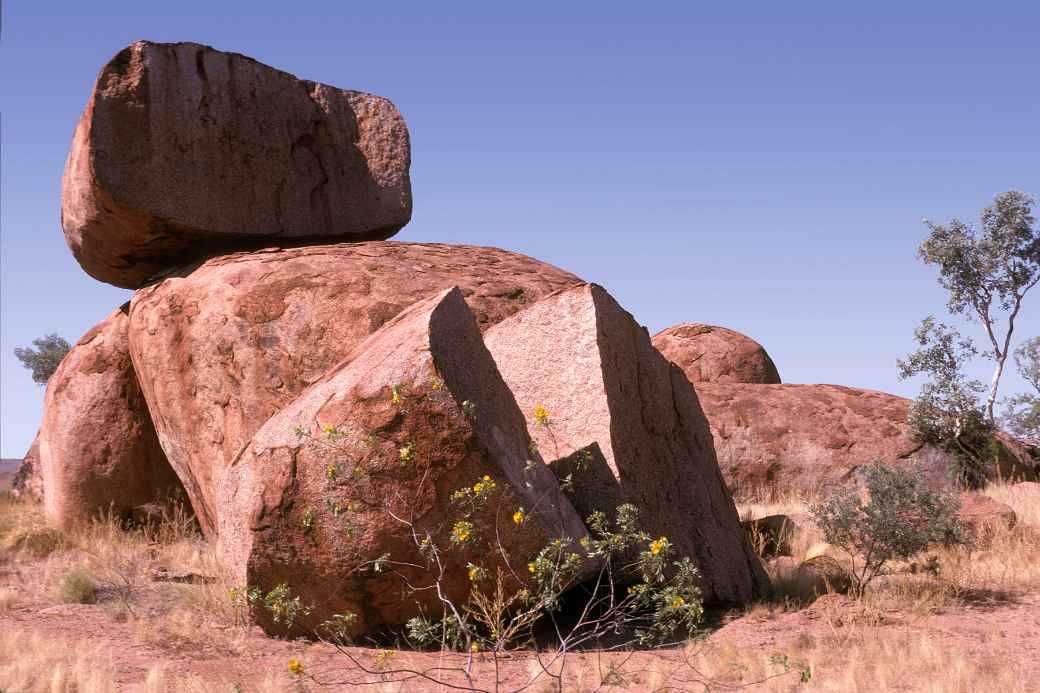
column 811, row 439
column 220, row 350
column 587, row 362
column 982, row 516
column 184, row 151
column 777, row 535
column 711, row 354
column 1014, row 455
column 98, row 449
column 27, row 483
column 590, row 481
column 340, row 476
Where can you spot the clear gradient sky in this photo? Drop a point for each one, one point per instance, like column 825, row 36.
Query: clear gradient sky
column 759, row 165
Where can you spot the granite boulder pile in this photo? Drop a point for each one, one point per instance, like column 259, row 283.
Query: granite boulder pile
column 775, row 439
column 318, row 392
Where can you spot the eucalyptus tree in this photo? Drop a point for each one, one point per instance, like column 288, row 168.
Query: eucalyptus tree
column 987, row 270
column 44, row 359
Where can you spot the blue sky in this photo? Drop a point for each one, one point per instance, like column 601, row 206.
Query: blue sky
column 763, row 166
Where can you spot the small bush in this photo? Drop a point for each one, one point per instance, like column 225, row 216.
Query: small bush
column 36, row 541
column 77, row 587
column 283, row 607
column 902, row 518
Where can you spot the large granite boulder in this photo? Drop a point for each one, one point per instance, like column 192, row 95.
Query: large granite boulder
column 222, row 348
column 364, row 463
column 584, row 372
column 712, row 354
column 184, row 151
column 98, row 448
column 809, row 439
column 27, row 483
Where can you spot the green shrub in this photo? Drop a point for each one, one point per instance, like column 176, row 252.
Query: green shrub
column 902, row 517
column 284, row 608
column 38, row 541
column 77, row 587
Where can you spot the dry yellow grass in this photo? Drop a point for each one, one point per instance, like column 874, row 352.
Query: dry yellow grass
column 31, row 664
column 122, row 564
column 1008, row 561
column 861, row 654
column 1024, row 499
column 861, row 658
column 753, row 509
column 171, row 616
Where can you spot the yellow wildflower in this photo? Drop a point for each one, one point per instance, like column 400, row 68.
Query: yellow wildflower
column 329, row 429
column 474, row 647
column 474, row 572
column 436, row 384
column 485, row 484
column 395, row 394
column 531, row 567
column 296, row 667
column 461, row 532
column 519, row 517
column 658, row 545
column 541, row 415
column 677, row 602
column 407, row 453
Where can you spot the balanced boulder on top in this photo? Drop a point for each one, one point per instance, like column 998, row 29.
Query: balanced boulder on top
column 184, row 151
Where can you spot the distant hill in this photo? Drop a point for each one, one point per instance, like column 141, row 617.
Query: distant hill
column 7, row 470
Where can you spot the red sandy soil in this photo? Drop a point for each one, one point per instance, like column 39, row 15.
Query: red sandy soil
column 1001, row 632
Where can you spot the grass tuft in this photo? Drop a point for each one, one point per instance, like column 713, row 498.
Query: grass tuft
column 77, row 587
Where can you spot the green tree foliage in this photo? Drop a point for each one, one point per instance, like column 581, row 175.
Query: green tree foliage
column 1022, row 413
column 902, row 517
column 987, row 271
column 948, row 412
column 44, row 359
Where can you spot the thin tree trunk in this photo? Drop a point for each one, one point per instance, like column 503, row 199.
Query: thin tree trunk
column 994, row 384
column 999, row 354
